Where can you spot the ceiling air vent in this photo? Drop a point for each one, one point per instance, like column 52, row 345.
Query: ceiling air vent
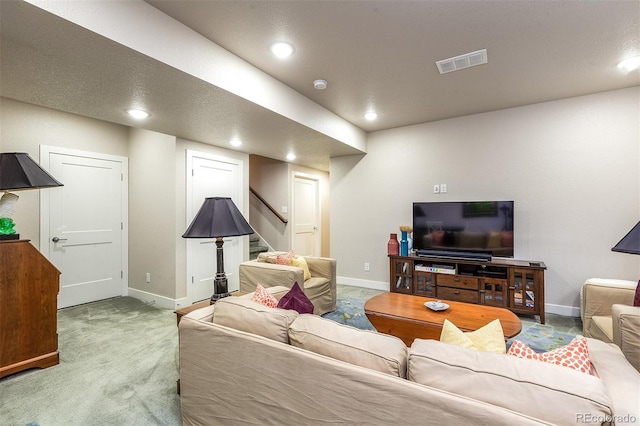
column 467, row 60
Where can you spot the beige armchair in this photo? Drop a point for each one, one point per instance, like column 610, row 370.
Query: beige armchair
column 608, row 314
column 320, row 288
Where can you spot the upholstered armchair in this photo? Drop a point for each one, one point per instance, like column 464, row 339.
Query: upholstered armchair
column 608, row 314
column 319, row 287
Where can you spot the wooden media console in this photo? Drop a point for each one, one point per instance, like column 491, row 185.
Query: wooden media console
column 517, row 285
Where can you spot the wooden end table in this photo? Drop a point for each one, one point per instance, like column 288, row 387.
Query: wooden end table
column 406, row 317
column 184, row 311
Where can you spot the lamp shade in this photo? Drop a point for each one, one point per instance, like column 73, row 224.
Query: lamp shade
column 631, row 242
column 218, row 217
column 19, row 171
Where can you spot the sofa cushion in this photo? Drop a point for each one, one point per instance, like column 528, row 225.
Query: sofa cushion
column 602, row 328
column 370, row 349
column 296, row 299
column 622, row 379
column 574, row 355
column 542, row 390
column 247, row 315
column 489, row 338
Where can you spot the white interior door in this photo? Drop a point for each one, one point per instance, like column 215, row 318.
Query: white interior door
column 306, row 216
column 211, row 176
column 82, row 224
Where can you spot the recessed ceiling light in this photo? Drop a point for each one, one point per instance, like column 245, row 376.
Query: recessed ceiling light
column 235, row 142
column 630, row 64
column 320, row 84
column 370, row 116
column 282, row 50
column 138, row 114
column 291, row 156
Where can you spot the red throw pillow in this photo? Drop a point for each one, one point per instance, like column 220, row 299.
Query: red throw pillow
column 636, row 299
column 296, row 300
column 574, row 355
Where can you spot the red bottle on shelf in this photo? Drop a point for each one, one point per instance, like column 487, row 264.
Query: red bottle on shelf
column 393, row 247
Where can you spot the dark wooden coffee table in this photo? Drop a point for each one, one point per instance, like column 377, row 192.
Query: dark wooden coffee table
column 406, row 317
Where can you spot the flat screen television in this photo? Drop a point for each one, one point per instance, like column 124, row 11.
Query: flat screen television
column 484, row 228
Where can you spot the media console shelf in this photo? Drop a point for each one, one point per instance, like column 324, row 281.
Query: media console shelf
column 517, row 285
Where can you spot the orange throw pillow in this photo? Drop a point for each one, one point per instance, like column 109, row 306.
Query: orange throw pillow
column 574, row 355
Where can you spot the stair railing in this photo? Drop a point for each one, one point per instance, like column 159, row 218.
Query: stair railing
column 267, row 205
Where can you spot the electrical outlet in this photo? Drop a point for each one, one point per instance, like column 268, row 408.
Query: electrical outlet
column 147, row 277
column 443, row 188
column 366, row 267
column 436, row 189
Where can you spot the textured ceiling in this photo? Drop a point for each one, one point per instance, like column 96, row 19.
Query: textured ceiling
column 374, row 54
column 382, row 54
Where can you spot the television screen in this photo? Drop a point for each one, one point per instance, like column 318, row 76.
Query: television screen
column 464, row 226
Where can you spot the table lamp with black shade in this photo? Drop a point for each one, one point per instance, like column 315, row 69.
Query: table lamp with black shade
column 18, row 172
column 630, row 243
column 218, row 218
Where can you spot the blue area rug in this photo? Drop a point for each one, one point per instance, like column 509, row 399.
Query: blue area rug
column 539, row 337
column 350, row 311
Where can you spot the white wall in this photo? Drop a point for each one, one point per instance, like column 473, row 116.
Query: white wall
column 24, row 127
column 152, row 212
column 272, row 179
column 157, row 181
column 571, row 166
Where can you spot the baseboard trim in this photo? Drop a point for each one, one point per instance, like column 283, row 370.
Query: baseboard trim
column 155, row 299
column 356, row 282
column 566, row 311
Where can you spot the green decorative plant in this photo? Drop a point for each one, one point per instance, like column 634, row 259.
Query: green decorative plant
column 6, row 226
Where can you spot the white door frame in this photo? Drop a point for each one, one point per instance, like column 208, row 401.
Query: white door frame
column 316, row 178
column 45, row 151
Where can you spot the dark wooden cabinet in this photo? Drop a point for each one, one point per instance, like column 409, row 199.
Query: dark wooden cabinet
column 29, row 286
column 517, row 285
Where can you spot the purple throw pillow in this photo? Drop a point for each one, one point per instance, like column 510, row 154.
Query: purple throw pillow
column 296, row 300
column 636, row 299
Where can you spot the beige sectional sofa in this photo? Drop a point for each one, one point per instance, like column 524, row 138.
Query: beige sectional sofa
column 243, row 363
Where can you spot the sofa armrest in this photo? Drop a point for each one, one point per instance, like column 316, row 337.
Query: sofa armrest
column 626, row 331
column 323, row 267
column 597, row 295
column 253, row 273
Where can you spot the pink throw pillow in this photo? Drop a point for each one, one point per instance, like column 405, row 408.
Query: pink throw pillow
column 285, row 259
column 261, row 295
column 574, row 355
column 636, row 299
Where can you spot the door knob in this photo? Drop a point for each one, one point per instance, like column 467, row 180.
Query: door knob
column 56, row 239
